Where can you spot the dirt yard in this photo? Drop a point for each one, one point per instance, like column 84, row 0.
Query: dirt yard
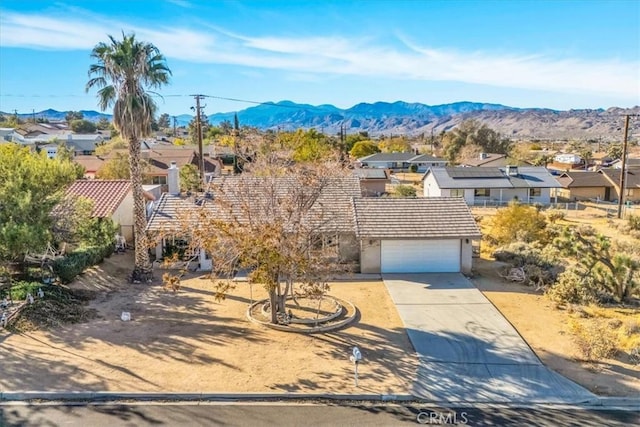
column 188, row 342
column 547, row 331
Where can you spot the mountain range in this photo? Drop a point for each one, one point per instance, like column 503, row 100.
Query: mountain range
column 402, row 118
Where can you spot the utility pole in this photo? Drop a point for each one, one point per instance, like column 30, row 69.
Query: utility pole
column 199, row 133
column 624, row 165
column 175, row 122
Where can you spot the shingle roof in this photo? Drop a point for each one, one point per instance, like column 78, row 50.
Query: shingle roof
column 428, row 218
column 632, row 178
column 90, row 163
column 388, row 157
column 583, row 179
column 425, row 158
column 106, row 195
column 487, row 177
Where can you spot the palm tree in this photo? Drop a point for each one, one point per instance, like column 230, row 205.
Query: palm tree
column 124, row 71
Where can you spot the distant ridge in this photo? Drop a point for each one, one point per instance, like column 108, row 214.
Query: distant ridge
column 402, row 118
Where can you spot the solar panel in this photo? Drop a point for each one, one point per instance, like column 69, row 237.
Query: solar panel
column 475, row 173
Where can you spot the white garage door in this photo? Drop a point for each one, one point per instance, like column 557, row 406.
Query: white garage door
column 420, row 256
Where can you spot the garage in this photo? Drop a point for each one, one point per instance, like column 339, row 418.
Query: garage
column 420, row 256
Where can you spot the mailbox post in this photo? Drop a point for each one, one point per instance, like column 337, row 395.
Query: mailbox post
column 355, row 357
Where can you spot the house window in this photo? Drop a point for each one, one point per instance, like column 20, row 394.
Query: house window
column 482, row 192
column 456, row 192
column 535, row 192
column 162, row 180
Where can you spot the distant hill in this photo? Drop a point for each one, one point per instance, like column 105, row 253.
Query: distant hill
column 397, row 118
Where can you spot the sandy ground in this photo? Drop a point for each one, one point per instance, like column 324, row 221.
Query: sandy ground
column 188, row 342
column 546, row 330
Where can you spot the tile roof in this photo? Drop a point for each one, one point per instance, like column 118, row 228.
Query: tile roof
column 489, row 177
column 90, row 163
column 583, row 179
column 105, row 194
column 330, row 211
column 371, row 173
column 429, row 218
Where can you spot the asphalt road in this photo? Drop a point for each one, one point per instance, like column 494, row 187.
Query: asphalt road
column 270, row 414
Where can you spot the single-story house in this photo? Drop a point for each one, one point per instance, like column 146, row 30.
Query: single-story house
column 111, row 199
column 373, row 181
column 631, row 185
column 486, row 160
column 584, row 185
column 80, row 144
column 401, row 161
column 378, row 235
column 478, row 185
column 414, row 235
column 632, row 163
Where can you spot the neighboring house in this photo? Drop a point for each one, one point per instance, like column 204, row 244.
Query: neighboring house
column 414, row 235
column 584, row 185
column 6, row 134
column 631, row 185
column 486, row 160
column 632, row 163
column 111, row 199
column 80, row 144
column 478, row 185
column 401, row 161
column 602, row 159
column 91, row 164
column 335, row 217
column 373, row 181
column 379, row 235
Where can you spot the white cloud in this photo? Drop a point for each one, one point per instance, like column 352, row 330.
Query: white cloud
column 336, row 55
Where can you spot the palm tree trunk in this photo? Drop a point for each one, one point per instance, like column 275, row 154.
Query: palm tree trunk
column 142, row 271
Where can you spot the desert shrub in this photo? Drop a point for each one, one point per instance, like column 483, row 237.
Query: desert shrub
column 634, row 355
column 520, row 254
column 413, row 168
column 634, row 222
column 554, row 215
column 517, row 222
column 405, row 191
column 595, row 340
column 573, row 288
column 631, row 327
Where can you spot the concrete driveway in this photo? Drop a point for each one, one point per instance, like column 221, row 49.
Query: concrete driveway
column 468, row 351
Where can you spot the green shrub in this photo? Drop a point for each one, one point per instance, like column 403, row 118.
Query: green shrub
column 76, row 262
column 413, row 168
column 520, row 254
column 19, row 290
column 554, row 215
column 405, row 191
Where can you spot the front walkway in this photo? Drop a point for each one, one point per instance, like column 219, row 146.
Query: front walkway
column 468, row 351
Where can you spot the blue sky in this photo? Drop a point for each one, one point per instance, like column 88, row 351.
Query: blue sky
column 554, row 54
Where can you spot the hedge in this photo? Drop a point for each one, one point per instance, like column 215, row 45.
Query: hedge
column 76, row 262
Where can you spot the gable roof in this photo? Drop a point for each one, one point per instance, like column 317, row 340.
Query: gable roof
column 583, row 179
column 105, row 194
column 429, row 218
column 489, row 177
column 331, row 210
column 632, row 178
column 90, row 163
column 159, row 159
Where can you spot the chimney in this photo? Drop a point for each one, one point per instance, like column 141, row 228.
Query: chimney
column 512, row 171
column 173, row 179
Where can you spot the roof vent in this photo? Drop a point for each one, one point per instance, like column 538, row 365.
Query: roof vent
column 512, row 170
column 483, row 156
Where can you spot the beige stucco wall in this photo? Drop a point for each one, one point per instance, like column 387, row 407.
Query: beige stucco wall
column 123, row 216
column 372, row 187
column 466, row 255
column 584, row 193
column 370, row 256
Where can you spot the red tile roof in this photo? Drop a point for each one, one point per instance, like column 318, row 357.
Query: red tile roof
column 106, row 194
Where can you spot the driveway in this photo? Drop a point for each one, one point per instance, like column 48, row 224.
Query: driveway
column 468, row 351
